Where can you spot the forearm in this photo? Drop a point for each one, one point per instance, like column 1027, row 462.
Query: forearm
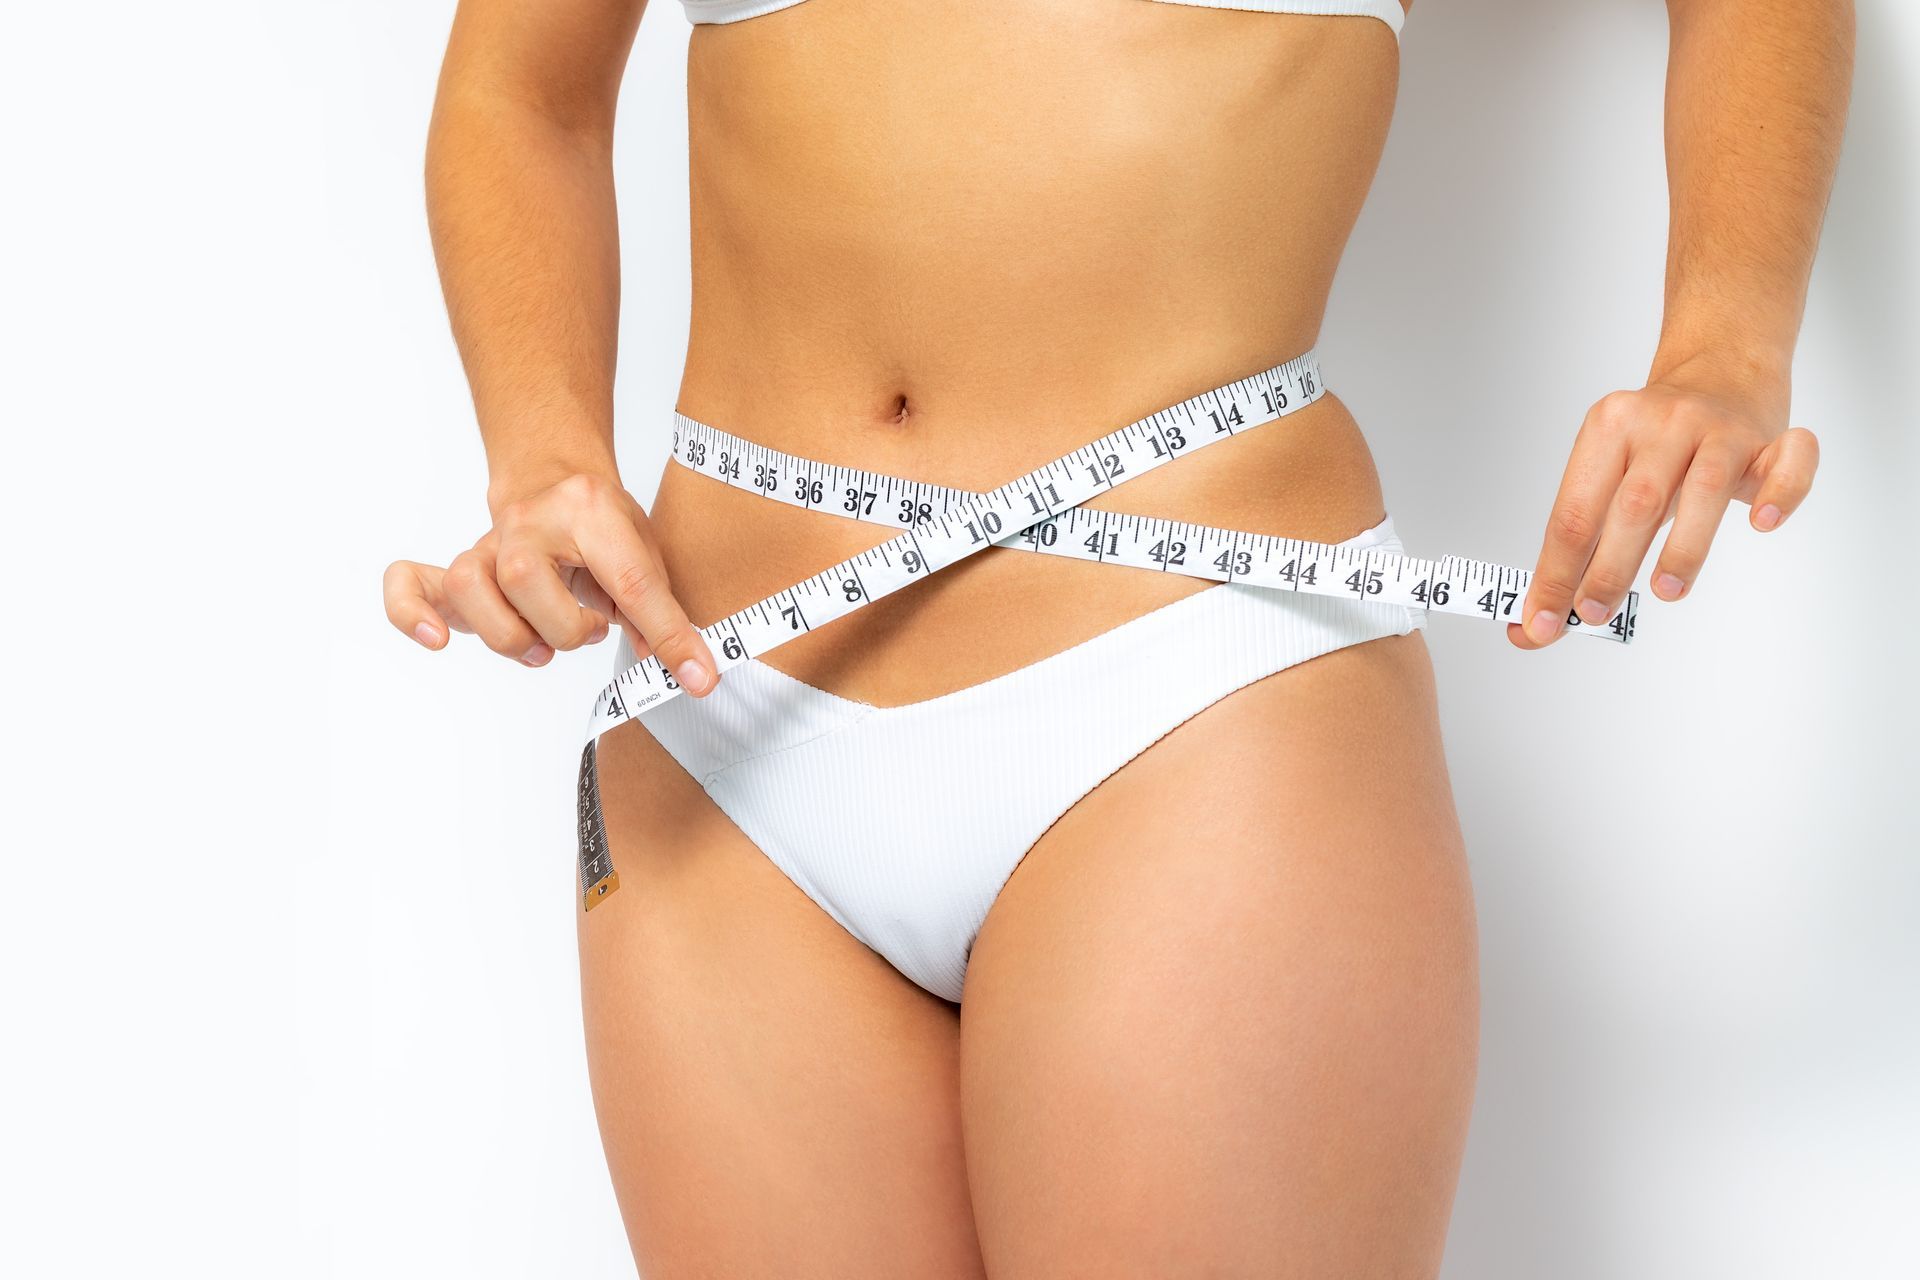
column 1757, row 94
column 521, row 209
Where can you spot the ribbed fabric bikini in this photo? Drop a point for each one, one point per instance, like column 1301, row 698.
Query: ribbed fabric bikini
column 1388, row 11
column 903, row 823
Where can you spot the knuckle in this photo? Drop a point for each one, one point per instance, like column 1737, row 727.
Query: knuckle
column 1574, row 524
column 463, row 576
column 674, row 642
column 1687, row 414
column 578, row 634
column 1684, row 565
column 638, row 584
column 1551, row 587
column 1710, row 476
column 519, row 569
column 1610, row 409
column 1606, row 584
column 1640, row 499
column 573, row 633
column 582, row 489
column 1795, row 482
column 1682, row 555
column 516, row 514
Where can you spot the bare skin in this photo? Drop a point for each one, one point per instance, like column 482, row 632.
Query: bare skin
column 775, row 1099
column 1234, row 1034
column 1230, row 1032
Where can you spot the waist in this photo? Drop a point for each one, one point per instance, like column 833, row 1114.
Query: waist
column 1307, row 475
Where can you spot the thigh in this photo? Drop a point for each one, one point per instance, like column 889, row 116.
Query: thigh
column 774, row 1099
column 1223, row 1018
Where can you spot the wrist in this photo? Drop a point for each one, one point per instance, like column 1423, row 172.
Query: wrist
column 510, row 480
column 1757, row 375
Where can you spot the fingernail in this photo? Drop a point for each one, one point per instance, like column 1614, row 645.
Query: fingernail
column 1668, row 587
column 692, row 676
column 1591, row 611
column 1767, row 516
column 538, row 655
column 426, row 634
column 1543, row 626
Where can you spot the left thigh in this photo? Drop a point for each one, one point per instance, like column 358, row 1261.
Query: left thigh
column 1222, row 1020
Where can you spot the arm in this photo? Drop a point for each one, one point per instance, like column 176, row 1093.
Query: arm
column 1757, row 94
column 520, row 202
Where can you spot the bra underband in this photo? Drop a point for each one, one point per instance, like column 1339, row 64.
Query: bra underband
column 1388, row 11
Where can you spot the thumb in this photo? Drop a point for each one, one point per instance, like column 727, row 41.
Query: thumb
column 416, row 603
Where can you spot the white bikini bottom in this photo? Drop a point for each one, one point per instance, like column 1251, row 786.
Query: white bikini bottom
column 904, row 822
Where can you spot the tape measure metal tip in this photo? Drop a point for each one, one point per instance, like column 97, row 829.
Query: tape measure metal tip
column 599, row 891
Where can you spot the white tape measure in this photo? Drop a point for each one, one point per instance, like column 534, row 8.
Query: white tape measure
column 1040, row 512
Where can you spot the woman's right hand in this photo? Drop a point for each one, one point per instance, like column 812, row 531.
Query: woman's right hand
column 558, row 568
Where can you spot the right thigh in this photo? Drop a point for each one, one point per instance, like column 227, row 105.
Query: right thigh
column 774, row 1098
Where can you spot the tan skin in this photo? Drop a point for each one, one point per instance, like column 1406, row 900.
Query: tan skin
column 1207, row 1029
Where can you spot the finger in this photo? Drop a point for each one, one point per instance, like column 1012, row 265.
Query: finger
column 470, row 586
column 1639, row 507
column 1710, row 481
column 1594, row 468
column 1795, row 457
column 594, row 596
column 613, row 550
column 532, row 584
column 589, row 595
column 409, row 591
column 588, row 592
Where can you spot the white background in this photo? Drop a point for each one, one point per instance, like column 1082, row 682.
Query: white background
column 287, row 980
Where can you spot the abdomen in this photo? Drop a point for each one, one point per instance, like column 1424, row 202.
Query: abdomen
column 954, row 240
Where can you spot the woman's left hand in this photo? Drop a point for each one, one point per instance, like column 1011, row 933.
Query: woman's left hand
column 1680, row 448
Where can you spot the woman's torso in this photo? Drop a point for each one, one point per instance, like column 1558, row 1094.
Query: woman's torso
column 1027, row 222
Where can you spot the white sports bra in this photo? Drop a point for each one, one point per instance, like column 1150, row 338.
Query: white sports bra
column 1388, row 11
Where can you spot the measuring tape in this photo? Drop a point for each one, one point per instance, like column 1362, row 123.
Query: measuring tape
column 1039, row 512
